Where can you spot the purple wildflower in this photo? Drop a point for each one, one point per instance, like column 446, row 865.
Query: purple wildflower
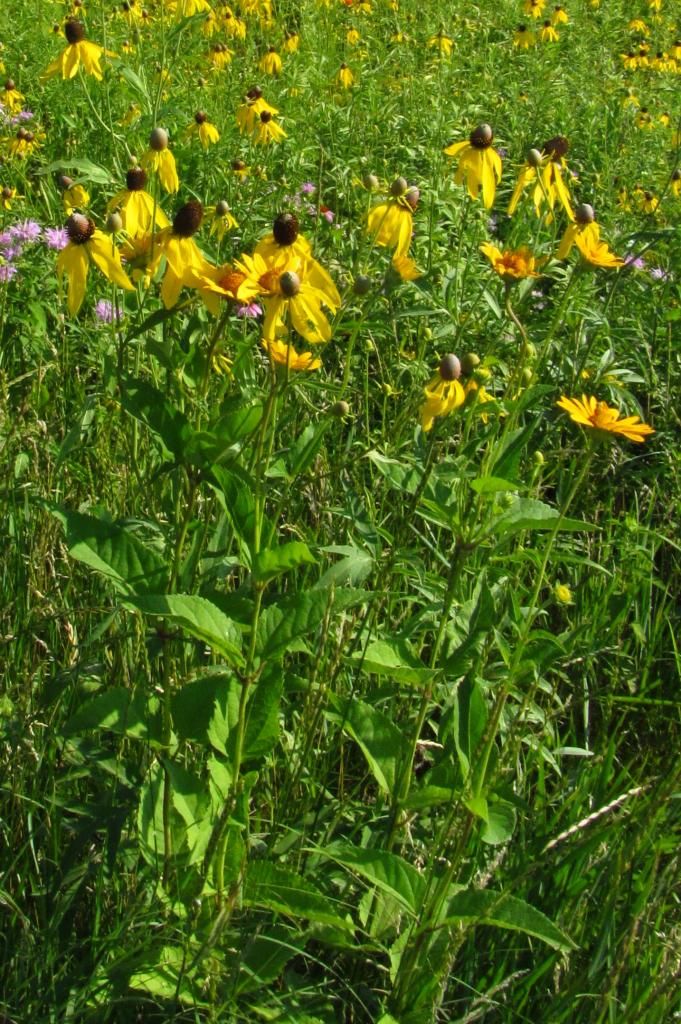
column 7, row 272
column 637, row 262
column 307, row 188
column 105, row 312
column 252, row 309
column 27, row 231
column 659, row 274
column 56, row 238
column 23, row 115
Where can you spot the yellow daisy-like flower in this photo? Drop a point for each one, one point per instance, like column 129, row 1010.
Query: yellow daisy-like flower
column 524, row 38
column 559, row 16
column 136, row 206
column 406, row 268
column 597, row 253
column 270, row 62
column 248, row 113
column 10, row 97
column 292, row 43
column 479, row 164
column 444, row 394
column 79, row 53
column 87, row 244
column 511, row 264
column 25, row 143
column 207, row 132
column 392, row 222
column 352, row 37
column 562, row 594
column 233, row 26
column 186, row 266
column 292, row 296
column 604, row 420
column 676, row 183
column 284, row 242
column 220, row 56
column 132, row 114
column 159, row 160
column 345, row 77
column 74, row 197
column 284, row 354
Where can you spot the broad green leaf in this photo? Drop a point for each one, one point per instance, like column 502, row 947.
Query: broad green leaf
column 271, row 562
column 224, row 718
column 278, row 888
column 531, row 514
column 290, row 618
column 495, row 908
column 133, row 79
column 198, row 617
column 163, row 974
column 501, row 822
column 507, row 460
column 400, row 475
column 387, row 871
column 353, row 568
column 118, row 710
column 79, row 431
column 472, row 622
column 85, row 169
column 262, row 714
column 150, row 406
column 306, row 447
column 192, row 803
column 492, row 485
column 465, row 721
column 220, row 442
column 381, row 742
column 263, row 957
column 114, row 551
column 393, row 658
column 235, row 491
column 193, row 705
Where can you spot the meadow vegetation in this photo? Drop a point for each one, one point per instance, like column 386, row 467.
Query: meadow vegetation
column 339, row 506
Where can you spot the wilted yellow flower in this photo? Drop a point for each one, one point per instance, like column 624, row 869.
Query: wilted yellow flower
column 392, row 222
column 284, row 354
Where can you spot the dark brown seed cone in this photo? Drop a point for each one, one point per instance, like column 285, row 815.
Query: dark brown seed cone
column 676, row 175
column 187, row 220
column 238, row 165
column 557, row 147
column 285, row 229
column 9, row 85
column 80, row 228
column 200, row 117
column 135, row 179
column 255, row 93
column 265, row 117
column 450, row 367
column 289, row 284
column 74, row 31
column 482, row 136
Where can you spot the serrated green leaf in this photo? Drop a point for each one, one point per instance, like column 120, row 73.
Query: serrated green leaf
column 495, row 908
column 387, row 871
column 198, row 616
column 117, row 710
column 277, row 888
column 112, row 550
column 532, row 514
column 381, row 742
column 393, row 658
column 271, row 562
column 150, row 406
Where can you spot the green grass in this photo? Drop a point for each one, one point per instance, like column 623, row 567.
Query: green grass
column 293, row 724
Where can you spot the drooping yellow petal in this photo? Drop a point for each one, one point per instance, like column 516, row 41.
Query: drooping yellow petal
column 106, row 257
column 73, row 261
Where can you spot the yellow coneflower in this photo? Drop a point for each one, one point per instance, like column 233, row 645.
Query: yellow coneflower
column 221, row 219
column 87, row 244
column 270, row 62
column 584, row 232
column 524, row 38
column 10, row 97
column 597, row 253
column 188, row 8
column 603, row 420
column 132, row 114
column 186, row 266
column 79, row 53
column 442, row 43
column 207, row 132
column 444, row 394
column 8, row 196
column 233, row 26
column 534, row 8
column 248, row 113
column 220, row 56
column 479, row 164
column 345, row 77
column 74, row 196
column 639, row 26
column 352, row 37
column 136, row 207
column 547, row 33
column 292, row 42
column 559, row 16
column 25, row 142
column 392, row 222
column 266, row 130
column 676, row 183
column 161, row 161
